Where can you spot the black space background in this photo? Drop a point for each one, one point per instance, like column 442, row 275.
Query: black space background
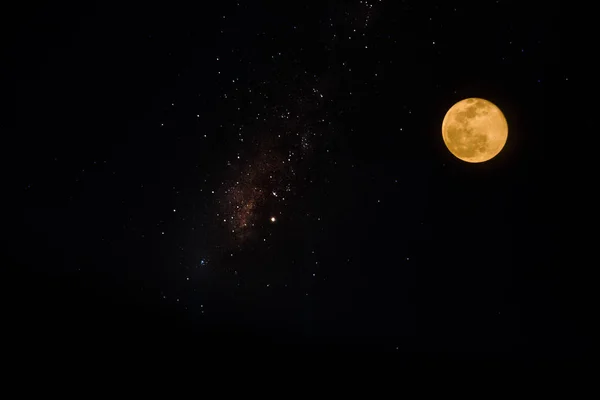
column 496, row 250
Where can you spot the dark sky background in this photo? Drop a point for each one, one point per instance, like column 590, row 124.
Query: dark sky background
column 149, row 145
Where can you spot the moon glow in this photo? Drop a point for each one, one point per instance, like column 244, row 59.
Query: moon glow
column 474, row 130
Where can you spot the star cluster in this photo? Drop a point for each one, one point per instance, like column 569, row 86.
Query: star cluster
column 286, row 122
column 273, row 171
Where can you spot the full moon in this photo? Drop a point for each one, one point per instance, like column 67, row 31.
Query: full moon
column 474, row 130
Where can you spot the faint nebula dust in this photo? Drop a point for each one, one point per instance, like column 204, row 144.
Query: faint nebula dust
column 277, row 139
column 258, row 187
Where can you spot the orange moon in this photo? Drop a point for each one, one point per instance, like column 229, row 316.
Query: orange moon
column 474, row 130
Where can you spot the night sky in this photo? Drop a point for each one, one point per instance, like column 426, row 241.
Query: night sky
column 271, row 175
